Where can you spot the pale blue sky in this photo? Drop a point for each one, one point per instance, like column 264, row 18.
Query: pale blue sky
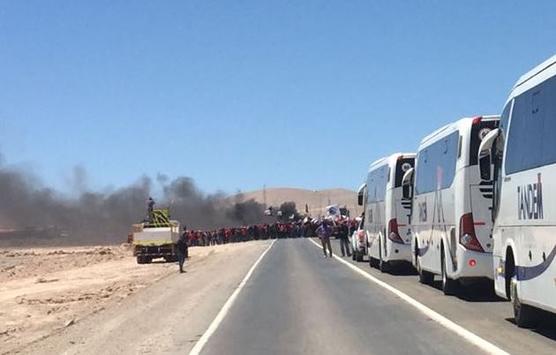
column 237, row 94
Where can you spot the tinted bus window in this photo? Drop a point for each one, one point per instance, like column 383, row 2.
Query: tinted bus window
column 524, row 143
column 548, row 110
column 504, row 120
column 402, row 165
column 498, row 157
column 436, row 165
column 531, row 135
column 376, row 184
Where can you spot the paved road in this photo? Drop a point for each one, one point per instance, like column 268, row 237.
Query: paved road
column 167, row 317
column 298, row 302
column 476, row 308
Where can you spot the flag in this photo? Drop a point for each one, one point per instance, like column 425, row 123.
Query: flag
column 333, row 211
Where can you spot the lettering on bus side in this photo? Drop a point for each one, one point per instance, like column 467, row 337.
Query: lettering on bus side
column 530, row 200
column 422, row 211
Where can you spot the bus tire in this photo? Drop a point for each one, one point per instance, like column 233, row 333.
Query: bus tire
column 425, row 277
column 383, row 266
column 509, row 268
column 525, row 316
column 449, row 286
column 140, row 260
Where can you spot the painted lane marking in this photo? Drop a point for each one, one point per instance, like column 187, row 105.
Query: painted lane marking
column 225, row 309
column 459, row 330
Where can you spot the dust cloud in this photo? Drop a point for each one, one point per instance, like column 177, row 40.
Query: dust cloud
column 82, row 216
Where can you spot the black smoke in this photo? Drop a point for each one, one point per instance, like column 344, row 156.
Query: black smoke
column 84, row 216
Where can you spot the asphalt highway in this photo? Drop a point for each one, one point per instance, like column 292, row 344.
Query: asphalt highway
column 284, row 297
column 475, row 308
column 299, row 302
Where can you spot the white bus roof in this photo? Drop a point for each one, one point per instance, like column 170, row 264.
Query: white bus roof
column 389, row 159
column 449, row 128
column 535, row 76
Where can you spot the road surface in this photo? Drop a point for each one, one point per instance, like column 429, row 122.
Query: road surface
column 302, row 303
column 295, row 302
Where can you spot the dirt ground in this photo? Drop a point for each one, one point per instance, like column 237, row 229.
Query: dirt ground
column 43, row 290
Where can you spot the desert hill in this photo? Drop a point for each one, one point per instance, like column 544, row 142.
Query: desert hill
column 317, row 200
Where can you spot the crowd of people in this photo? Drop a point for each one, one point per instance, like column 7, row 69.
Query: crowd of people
column 307, row 228
column 338, row 227
column 324, row 229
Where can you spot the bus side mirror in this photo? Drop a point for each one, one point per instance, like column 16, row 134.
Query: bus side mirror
column 407, row 184
column 485, row 154
column 361, row 194
column 485, row 163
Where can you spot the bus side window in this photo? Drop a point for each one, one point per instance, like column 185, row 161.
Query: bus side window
column 546, row 103
column 497, row 159
column 535, row 101
column 524, row 153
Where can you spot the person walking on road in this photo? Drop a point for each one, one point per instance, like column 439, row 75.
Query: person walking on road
column 343, row 232
column 181, row 249
column 324, row 232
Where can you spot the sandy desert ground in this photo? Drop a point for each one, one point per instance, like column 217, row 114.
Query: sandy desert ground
column 44, row 290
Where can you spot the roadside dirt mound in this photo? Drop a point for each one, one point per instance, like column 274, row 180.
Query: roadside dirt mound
column 19, row 263
column 43, row 290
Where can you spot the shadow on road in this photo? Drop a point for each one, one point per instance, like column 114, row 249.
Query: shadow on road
column 546, row 328
column 404, row 269
column 477, row 292
column 162, row 261
column 480, row 292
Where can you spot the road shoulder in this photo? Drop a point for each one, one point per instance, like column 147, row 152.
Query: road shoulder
column 168, row 316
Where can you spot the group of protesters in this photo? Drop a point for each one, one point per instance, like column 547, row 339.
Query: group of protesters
column 306, row 228
column 250, row 232
column 332, row 226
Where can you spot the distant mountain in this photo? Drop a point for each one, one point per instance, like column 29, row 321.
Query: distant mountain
column 317, row 200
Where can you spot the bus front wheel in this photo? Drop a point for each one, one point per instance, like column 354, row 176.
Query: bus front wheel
column 425, row 277
column 525, row 315
column 383, row 266
column 449, row 286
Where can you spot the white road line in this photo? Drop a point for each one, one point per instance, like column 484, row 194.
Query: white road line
column 462, row 332
column 224, row 310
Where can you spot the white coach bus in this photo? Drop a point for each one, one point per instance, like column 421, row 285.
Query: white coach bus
column 387, row 213
column 523, row 151
column 451, row 218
